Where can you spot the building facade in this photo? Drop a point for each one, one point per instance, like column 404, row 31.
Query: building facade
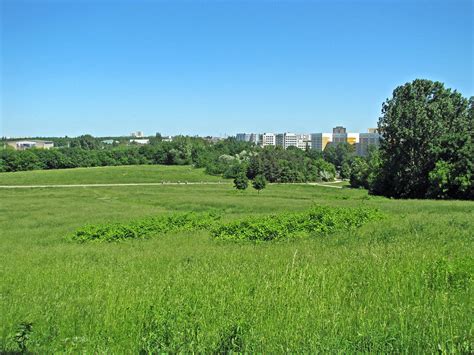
column 339, row 135
column 372, row 138
column 287, row 139
column 352, row 138
column 267, row 139
column 23, row 145
column 319, row 141
column 140, row 141
column 247, row 137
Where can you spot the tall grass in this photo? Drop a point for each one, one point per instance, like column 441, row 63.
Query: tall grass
column 400, row 284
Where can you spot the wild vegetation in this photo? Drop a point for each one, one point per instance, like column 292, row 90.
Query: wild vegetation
column 316, row 222
column 402, row 283
column 145, row 227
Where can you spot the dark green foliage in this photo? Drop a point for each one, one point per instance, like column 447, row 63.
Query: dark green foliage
column 85, row 142
column 359, row 173
column 241, row 182
column 365, row 171
column 259, row 183
column 427, row 148
column 145, row 228
column 231, row 340
column 340, row 155
column 291, row 165
column 22, row 335
column 314, row 222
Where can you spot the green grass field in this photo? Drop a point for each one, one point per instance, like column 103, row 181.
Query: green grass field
column 110, row 174
column 400, row 284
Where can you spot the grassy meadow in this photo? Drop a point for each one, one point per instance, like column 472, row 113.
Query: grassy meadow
column 399, row 284
column 109, row 175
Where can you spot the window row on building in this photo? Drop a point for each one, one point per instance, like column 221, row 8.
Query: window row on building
column 317, row 141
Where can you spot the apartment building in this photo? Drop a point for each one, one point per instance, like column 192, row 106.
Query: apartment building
column 287, row 139
column 304, row 141
column 22, row 145
column 352, row 138
column 140, row 141
column 267, row 139
column 248, row 137
column 372, row 138
column 339, row 135
column 243, row 137
column 319, row 141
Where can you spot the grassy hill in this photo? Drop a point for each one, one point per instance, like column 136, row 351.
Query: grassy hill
column 108, row 175
column 400, row 284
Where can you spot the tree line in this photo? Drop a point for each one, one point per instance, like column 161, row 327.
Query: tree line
column 426, row 151
column 229, row 158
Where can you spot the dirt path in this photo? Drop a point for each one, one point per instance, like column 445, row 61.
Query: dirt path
column 143, row 184
column 110, row 185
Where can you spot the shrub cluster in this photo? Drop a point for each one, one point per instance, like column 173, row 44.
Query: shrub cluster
column 146, row 227
column 316, row 221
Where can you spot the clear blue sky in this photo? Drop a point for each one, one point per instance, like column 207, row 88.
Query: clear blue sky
column 215, row 67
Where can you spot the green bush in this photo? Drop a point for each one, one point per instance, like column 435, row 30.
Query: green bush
column 145, row 228
column 316, row 221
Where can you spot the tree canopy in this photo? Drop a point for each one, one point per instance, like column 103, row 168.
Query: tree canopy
column 427, row 146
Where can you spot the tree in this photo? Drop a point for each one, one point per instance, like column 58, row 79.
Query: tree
column 259, row 183
column 85, row 142
column 241, row 182
column 341, row 155
column 427, row 146
column 359, row 173
column 364, row 171
column 345, row 171
column 324, row 170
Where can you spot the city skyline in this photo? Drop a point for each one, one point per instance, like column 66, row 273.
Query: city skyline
column 105, row 68
column 141, row 133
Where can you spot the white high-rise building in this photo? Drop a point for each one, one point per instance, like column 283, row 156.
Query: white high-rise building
column 304, row 141
column 267, row 139
column 286, row 140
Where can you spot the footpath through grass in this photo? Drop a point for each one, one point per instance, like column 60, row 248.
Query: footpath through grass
column 400, row 284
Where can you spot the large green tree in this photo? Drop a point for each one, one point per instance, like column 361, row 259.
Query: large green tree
column 427, row 146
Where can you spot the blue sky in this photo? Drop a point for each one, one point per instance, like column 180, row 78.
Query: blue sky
column 221, row 67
